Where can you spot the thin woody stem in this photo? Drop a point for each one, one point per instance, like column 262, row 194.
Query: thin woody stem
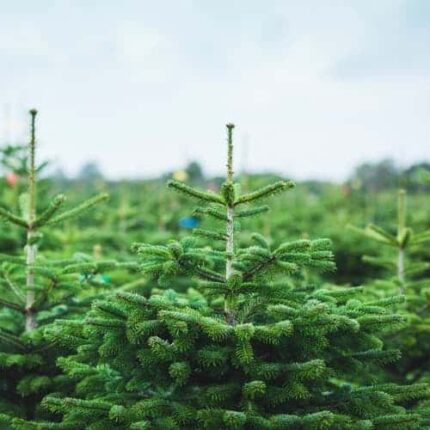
column 228, row 306
column 401, row 269
column 230, row 172
column 401, row 211
column 31, row 248
column 401, row 225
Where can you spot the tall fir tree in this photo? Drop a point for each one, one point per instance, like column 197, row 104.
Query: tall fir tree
column 34, row 291
column 251, row 350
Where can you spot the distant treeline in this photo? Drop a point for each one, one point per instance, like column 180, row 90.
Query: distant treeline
column 370, row 176
column 385, row 174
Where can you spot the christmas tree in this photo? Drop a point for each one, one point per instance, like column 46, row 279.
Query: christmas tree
column 250, row 350
column 400, row 257
column 34, row 291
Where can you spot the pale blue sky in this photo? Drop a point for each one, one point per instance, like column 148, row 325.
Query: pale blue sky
column 314, row 86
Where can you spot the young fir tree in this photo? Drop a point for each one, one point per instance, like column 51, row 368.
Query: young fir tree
column 254, row 352
column 407, row 275
column 34, row 291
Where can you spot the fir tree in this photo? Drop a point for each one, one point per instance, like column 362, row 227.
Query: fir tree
column 34, row 291
column 252, row 350
column 406, row 273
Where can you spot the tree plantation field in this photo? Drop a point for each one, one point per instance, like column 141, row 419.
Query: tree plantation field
column 189, row 302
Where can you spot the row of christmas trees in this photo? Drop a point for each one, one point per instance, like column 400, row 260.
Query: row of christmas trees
column 232, row 336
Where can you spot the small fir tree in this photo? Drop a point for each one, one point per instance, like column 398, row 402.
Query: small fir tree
column 406, row 273
column 251, row 351
column 34, row 291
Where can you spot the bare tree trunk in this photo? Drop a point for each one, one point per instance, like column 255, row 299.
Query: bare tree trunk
column 31, row 247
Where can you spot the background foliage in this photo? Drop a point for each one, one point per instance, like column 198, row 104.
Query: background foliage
column 97, row 246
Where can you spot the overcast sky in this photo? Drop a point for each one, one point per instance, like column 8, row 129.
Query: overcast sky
column 314, row 86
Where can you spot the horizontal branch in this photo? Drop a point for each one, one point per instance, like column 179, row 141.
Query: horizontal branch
column 9, row 216
column 252, row 212
column 214, row 213
column 215, row 235
column 12, row 305
column 79, row 209
column 264, row 192
column 206, row 196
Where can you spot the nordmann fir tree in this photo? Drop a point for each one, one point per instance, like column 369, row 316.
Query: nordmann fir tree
column 254, row 352
column 406, row 273
column 33, row 292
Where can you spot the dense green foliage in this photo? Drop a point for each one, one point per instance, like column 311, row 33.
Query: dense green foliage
column 404, row 265
column 220, row 327
column 36, row 290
